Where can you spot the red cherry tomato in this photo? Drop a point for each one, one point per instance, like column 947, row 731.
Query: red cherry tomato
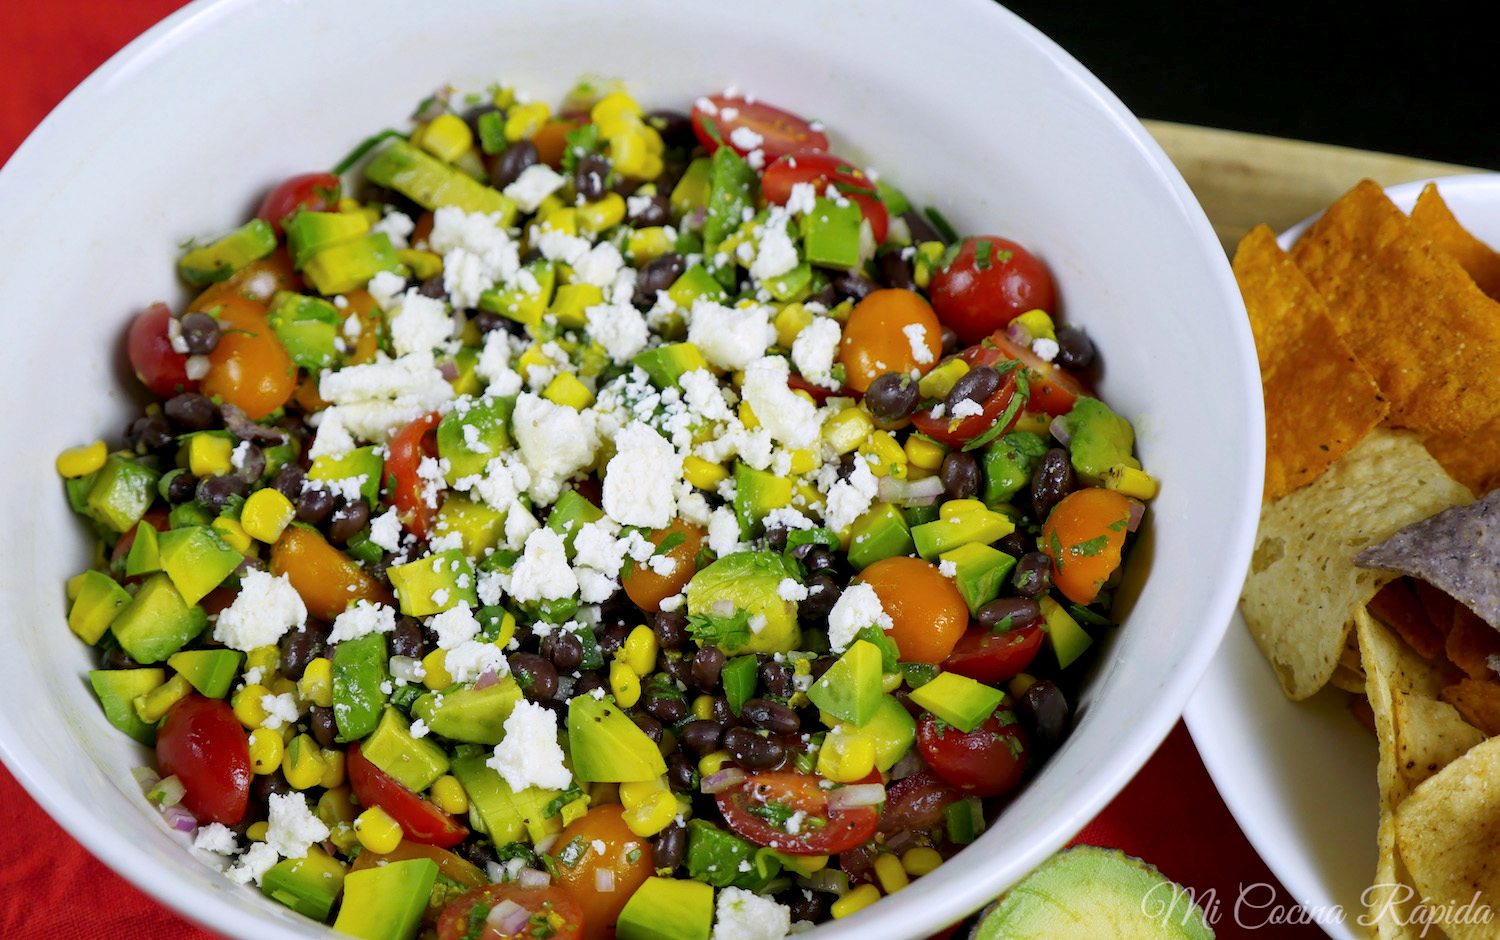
column 822, row 170
column 990, row 282
column 408, row 447
column 781, row 132
column 987, row 761
column 455, row 921
column 1053, row 389
column 820, row 393
column 159, row 367
column 420, row 820
column 821, row 832
column 202, row 744
column 957, row 432
column 995, row 657
column 315, row 192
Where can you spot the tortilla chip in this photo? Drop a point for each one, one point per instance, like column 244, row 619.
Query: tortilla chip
column 1457, row 550
column 1303, row 586
column 1472, row 459
column 1470, row 644
column 1439, row 605
column 1434, row 217
column 1478, row 701
column 1390, row 905
column 1446, row 832
column 1347, row 680
column 1320, row 401
column 1411, row 314
column 1398, row 607
column 1430, row 735
column 1391, row 670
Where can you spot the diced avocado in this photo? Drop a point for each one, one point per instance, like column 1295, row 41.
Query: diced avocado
column 432, row 184
column 850, row 689
column 893, row 730
column 981, row 526
column 691, row 192
column 215, row 262
column 308, row 233
column 386, row 902
column 308, row 327
column 694, row 283
column 571, row 300
column 746, row 584
column 667, row 909
column 731, row 190
column 475, row 716
column 958, row 700
column 981, row 572
column 666, row 364
column 1092, row 892
column 570, row 513
column 479, row 526
column 341, row 268
column 359, row 670
column 794, row 285
column 433, row 584
column 188, row 514
column 895, row 201
column 1009, row 464
column 490, row 798
column 144, row 556
column 1066, row 638
column 471, row 438
column 1099, row 439
column 532, row 804
column 307, row 885
column 879, row 533
column 98, row 602
column 830, row 234
column 117, row 690
column 211, row 672
column 739, row 678
column 725, row 860
column 756, row 493
column 607, row 746
column 157, row 622
column 362, row 463
column 197, row 560
column 520, row 304
column 77, row 489
column 121, row 493
column 412, row 762
column 921, row 515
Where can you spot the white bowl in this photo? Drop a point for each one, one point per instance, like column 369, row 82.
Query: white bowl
column 960, row 103
column 1299, row 777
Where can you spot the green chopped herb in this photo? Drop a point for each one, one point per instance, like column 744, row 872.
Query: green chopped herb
column 944, row 228
column 364, row 147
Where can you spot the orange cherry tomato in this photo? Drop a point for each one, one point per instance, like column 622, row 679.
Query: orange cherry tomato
column 461, row 921
column 327, row 580
column 1083, row 536
column 362, row 305
column 249, row 367
column 258, row 280
column 875, row 342
column 550, row 140
column 423, row 228
column 579, row 860
column 647, row 587
column 928, row 615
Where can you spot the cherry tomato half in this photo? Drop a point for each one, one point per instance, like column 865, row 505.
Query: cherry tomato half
column 420, row 820
column 249, row 368
column 326, row 579
column 1084, row 535
column 876, row 338
column 315, row 192
column 629, row 857
column 928, row 614
column 841, row 829
column 990, row 282
column 458, row 918
column 159, row 367
column 955, row 432
column 823, row 170
column 913, row 805
column 1053, row 390
column 203, row 745
column 995, row 657
column 645, row 587
column 408, row 447
column 781, row 132
column 987, row 761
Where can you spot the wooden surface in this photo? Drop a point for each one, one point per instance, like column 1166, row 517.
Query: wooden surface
column 1245, row 179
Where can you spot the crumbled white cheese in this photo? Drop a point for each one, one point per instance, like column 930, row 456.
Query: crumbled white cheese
column 776, row 253
column 744, row 138
column 535, row 183
column 253, row 865
column 262, row 612
column 385, row 287
column 730, row 337
column 948, row 569
column 815, row 349
column 397, row 226
column 471, row 659
column 419, row 323
column 217, row 838
column 638, row 480
column 724, row 532
column 419, row 729
column 857, row 607
column 967, row 408
column 529, row 755
column 281, row 710
column 494, row 365
column 916, row 337
column 556, row 442
column 790, row 589
column 599, row 267
column 745, row 915
column 385, row 529
column 849, row 499
column 1045, row 349
column 790, row 418
column 619, row 328
column 333, row 440
column 293, row 828
column 803, row 199
column 542, row 571
column 373, row 400
column 454, row 626
column 362, row 619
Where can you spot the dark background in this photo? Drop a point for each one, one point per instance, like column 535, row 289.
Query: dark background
column 1419, row 79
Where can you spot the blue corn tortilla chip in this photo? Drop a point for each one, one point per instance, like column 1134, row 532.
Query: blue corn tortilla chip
column 1456, row 551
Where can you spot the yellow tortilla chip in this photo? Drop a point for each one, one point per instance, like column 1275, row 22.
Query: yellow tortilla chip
column 1390, row 904
column 1430, row 735
column 1320, row 401
column 1481, row 261
column 1392, row 669
column 1478, row 701
column 1408, row 310
column 1303, row 587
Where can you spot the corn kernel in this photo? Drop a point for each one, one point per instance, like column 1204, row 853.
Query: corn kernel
column 532, row 357
column 639, row 650
column 925, row 453
column 958, row 508
column 563, row 219
column 921, row 861
column 702, row 474
column 265, row 658
column 336, row 806
column 938, row 382
column 624, row 683
column 350, row 204
column 848, row 429
column 302, row 763
column 607, row 212
column 891, row 875
column 567, row 391
column 653, row 165
column 616, row 113
column 81, row 461
column 890, row 458
column 804, row 864
column 803, row 461
column 637, row 792
column 703, row 707
column 856, row 900
column 154, row 704
column 792, row 319
column 377, row 831
column 647, row 244
column 1035, row 422
column 423, row 264
column 208, row 455
column 1130, row 481
column 343, row 837
column 747, row 417
column 1038, row 324
column 805, row 395
column 247, row 707
column 525, row 120
column 266, row 514
column 234, row 535
column 266, row 749
column 334, row 768
column 712, row 762
column 257, row 831
column 446, row 137
column 846, row 758
column 316, row 684
column 438, row 676
column 1019, row 684
column 628, row 155
column 450, row 796
column 652, row 815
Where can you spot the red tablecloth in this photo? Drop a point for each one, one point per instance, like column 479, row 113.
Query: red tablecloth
column 51, row 889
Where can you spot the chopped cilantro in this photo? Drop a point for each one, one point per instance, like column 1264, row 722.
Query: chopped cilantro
column 1090, row 547
column 672, row 540
column 364, row 147
column 519, row 850
column 1057, row 551
column 579, row 141
column 1119, row 525
column 475, row 921
column 948, row 256
column 1017, row 402
column 562, row 799
column 982, row 251
column 944, row 227
column 732, row 631
column 772, row 812
column 573, row 852
column 541, row 926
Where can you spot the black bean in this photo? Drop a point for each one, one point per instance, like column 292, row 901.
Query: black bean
column 846, row 465
column 892, row 397
column 976, row 385
column 777, row 678
column 347, row 522
column 506, row 166
column 200, row 333
column 588, row 681
column 1017, row 543
column 752, row 751
column 668, row 708
column 1008, row 613
column 264, row 786
column 288, row 481
column 300, row 647
column 1074, row 349
column 821, row 665
column 1052, row 481
column 670, row 627
column 670, row 847
column 591, row 176
column 313, row 506
column 117, row 658
column 486, row 321
column 653, row 729
column 658, row 275
column 407, row 639
column 826, row 296
column 1033, row 575
column 682, row 776
column 536, row 676
column 675, row 666
column 476, row 851
column 772, row 716
column 324, row 727
column 701, row 736
column 191, row 411
column 776, row 538
column 152, row 432
column 806, row 905
column 183, row 488
column 921, row 229
column 612, row 637
column 960, row 475
column 252, row 462
column 895, row 271
column 567, row 651
column 656, row 211
column 949, row 338
column 434, row 287
column 855, row 287
column 722, row 714
column 822, row 593
column 708, row 662
column 1043, row 711
column 675, row 128
column 819, row 559
column 215, row 492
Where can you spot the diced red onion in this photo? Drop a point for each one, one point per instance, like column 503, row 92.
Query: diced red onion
column 856, row 796
column 145, row 777
column 697, row 217
column 167, row 793
column 545, row 845
column 449, row 370
column 604, row 880
column 486, row 679
column 533, row 878
column 508, row 917
column 179, row 818
column 1059, row 429
column 1017, row 333
column 722, row 608
column 723, row 780
column 921, row 492
column 404, row 667
column 899, row 840
column 1137, row 510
